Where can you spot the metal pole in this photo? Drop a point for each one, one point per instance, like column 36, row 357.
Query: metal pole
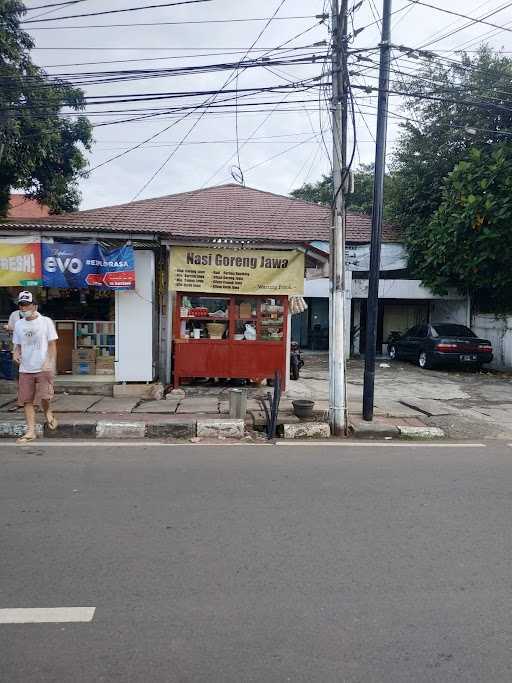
column 337, row 407
column 378, row 202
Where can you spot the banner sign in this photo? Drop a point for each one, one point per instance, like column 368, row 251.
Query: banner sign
column 20, row 262
column 78, row 266
column 236, row 271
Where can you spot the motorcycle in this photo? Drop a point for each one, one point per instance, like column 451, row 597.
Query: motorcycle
column 296, row 362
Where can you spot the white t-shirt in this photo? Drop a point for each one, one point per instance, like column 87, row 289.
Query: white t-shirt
column 33, row 337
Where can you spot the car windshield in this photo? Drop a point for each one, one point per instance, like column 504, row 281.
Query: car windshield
column 450, row 330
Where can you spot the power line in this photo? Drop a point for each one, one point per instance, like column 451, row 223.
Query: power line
column 170, row 49
column 116, row 11
column 155, row 59
column 54, row 4
column 209, row 101
column 464, row 16
column 171, row 23
column 468, row 25
column 51, row 11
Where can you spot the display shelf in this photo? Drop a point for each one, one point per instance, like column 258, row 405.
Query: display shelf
column 256, row 357
column 211, row 318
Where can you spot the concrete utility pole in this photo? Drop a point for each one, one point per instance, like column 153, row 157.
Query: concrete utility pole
column 337, row 332
column 378, row 204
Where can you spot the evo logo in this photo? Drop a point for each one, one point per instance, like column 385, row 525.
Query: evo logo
column 71, row 264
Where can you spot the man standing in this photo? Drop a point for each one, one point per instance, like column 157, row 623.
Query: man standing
column 35, row 350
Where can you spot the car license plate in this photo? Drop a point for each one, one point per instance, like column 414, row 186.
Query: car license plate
column 467, row 358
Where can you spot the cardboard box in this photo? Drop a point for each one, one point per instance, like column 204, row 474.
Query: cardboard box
column 245, row 310
column 84, row 367
column 81, row 354
column 105, row 365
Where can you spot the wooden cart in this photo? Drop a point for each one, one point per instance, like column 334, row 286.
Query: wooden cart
column 248, row 338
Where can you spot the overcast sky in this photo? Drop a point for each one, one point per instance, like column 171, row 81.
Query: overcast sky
column 279, row 150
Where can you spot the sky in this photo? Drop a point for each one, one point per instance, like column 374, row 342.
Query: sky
column 284, row 136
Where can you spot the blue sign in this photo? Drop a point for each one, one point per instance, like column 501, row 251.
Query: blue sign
column 80, row 265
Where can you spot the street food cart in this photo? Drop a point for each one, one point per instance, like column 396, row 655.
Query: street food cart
column 231, row 311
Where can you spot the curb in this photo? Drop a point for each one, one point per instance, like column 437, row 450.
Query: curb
column 407, row 432
column 186, row 429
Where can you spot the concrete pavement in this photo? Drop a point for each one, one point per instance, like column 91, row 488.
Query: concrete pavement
column 466, row 405
column 386, row 563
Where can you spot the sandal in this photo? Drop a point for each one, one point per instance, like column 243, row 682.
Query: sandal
column 25, row 439
column 52, row 424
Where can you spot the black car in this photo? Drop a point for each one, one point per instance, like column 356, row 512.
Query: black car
column 441, row 343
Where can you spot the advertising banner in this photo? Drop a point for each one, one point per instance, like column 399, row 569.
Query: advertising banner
column 20, row 262
column 69, row 265
column 236, row 271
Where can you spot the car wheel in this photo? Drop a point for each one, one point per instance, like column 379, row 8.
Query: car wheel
column 424, row 360
column 393, row 352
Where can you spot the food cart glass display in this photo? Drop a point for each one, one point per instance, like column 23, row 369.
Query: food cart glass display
column 226, row 336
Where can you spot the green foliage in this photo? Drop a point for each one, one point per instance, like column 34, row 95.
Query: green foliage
column 446, row 126
column 319, row 193
column 468, row 242
column 360, row 201
column 41, row 152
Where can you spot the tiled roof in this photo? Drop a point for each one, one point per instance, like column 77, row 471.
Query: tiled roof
column 226, row 211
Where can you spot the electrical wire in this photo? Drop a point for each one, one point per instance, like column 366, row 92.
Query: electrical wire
column 56, row 8
column 473, row 20
column 169, row 23
column 117, row 11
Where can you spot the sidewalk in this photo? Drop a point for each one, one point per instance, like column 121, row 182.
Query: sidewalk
column 463, row 405
column 195, row 411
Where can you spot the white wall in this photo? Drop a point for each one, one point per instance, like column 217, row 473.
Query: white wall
column 399, row 289
column 450, row 312
column 499, row 332
column 134, row 323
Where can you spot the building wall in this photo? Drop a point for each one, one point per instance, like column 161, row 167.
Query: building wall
column 402, row 304
column 21, row 206
column 499, row 333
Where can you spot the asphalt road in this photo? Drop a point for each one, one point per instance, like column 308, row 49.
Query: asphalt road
column 253, row 563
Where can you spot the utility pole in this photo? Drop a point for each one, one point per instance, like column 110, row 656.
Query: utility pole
column 337, row 332
column 378, row 203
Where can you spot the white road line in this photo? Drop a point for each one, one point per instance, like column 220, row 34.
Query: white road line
column 124, row 444
column 380, row 444
column 46, row 615
column 82, row 444
column 241, row 444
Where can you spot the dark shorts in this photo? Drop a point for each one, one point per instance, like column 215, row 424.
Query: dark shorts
column 34, row 387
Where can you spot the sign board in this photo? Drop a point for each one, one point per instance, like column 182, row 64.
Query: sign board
column 236, row 271
column 87, row 264
column 20, row 262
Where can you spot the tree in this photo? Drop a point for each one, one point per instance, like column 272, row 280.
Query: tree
column 359, row 201
column 455, row 107
column 41, row 152
column 468, row 242
column 319, row 193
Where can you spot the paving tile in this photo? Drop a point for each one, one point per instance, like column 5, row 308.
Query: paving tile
column 6, row 400
column 429, row 407
column 74, row 404
column 114, row 405
column 198, row 405
column 164, row 407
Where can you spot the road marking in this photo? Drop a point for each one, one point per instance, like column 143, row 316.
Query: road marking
column 124, row 444
column 46, row 615
column 90, row 444
column 223, row 444
column 380, row 444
